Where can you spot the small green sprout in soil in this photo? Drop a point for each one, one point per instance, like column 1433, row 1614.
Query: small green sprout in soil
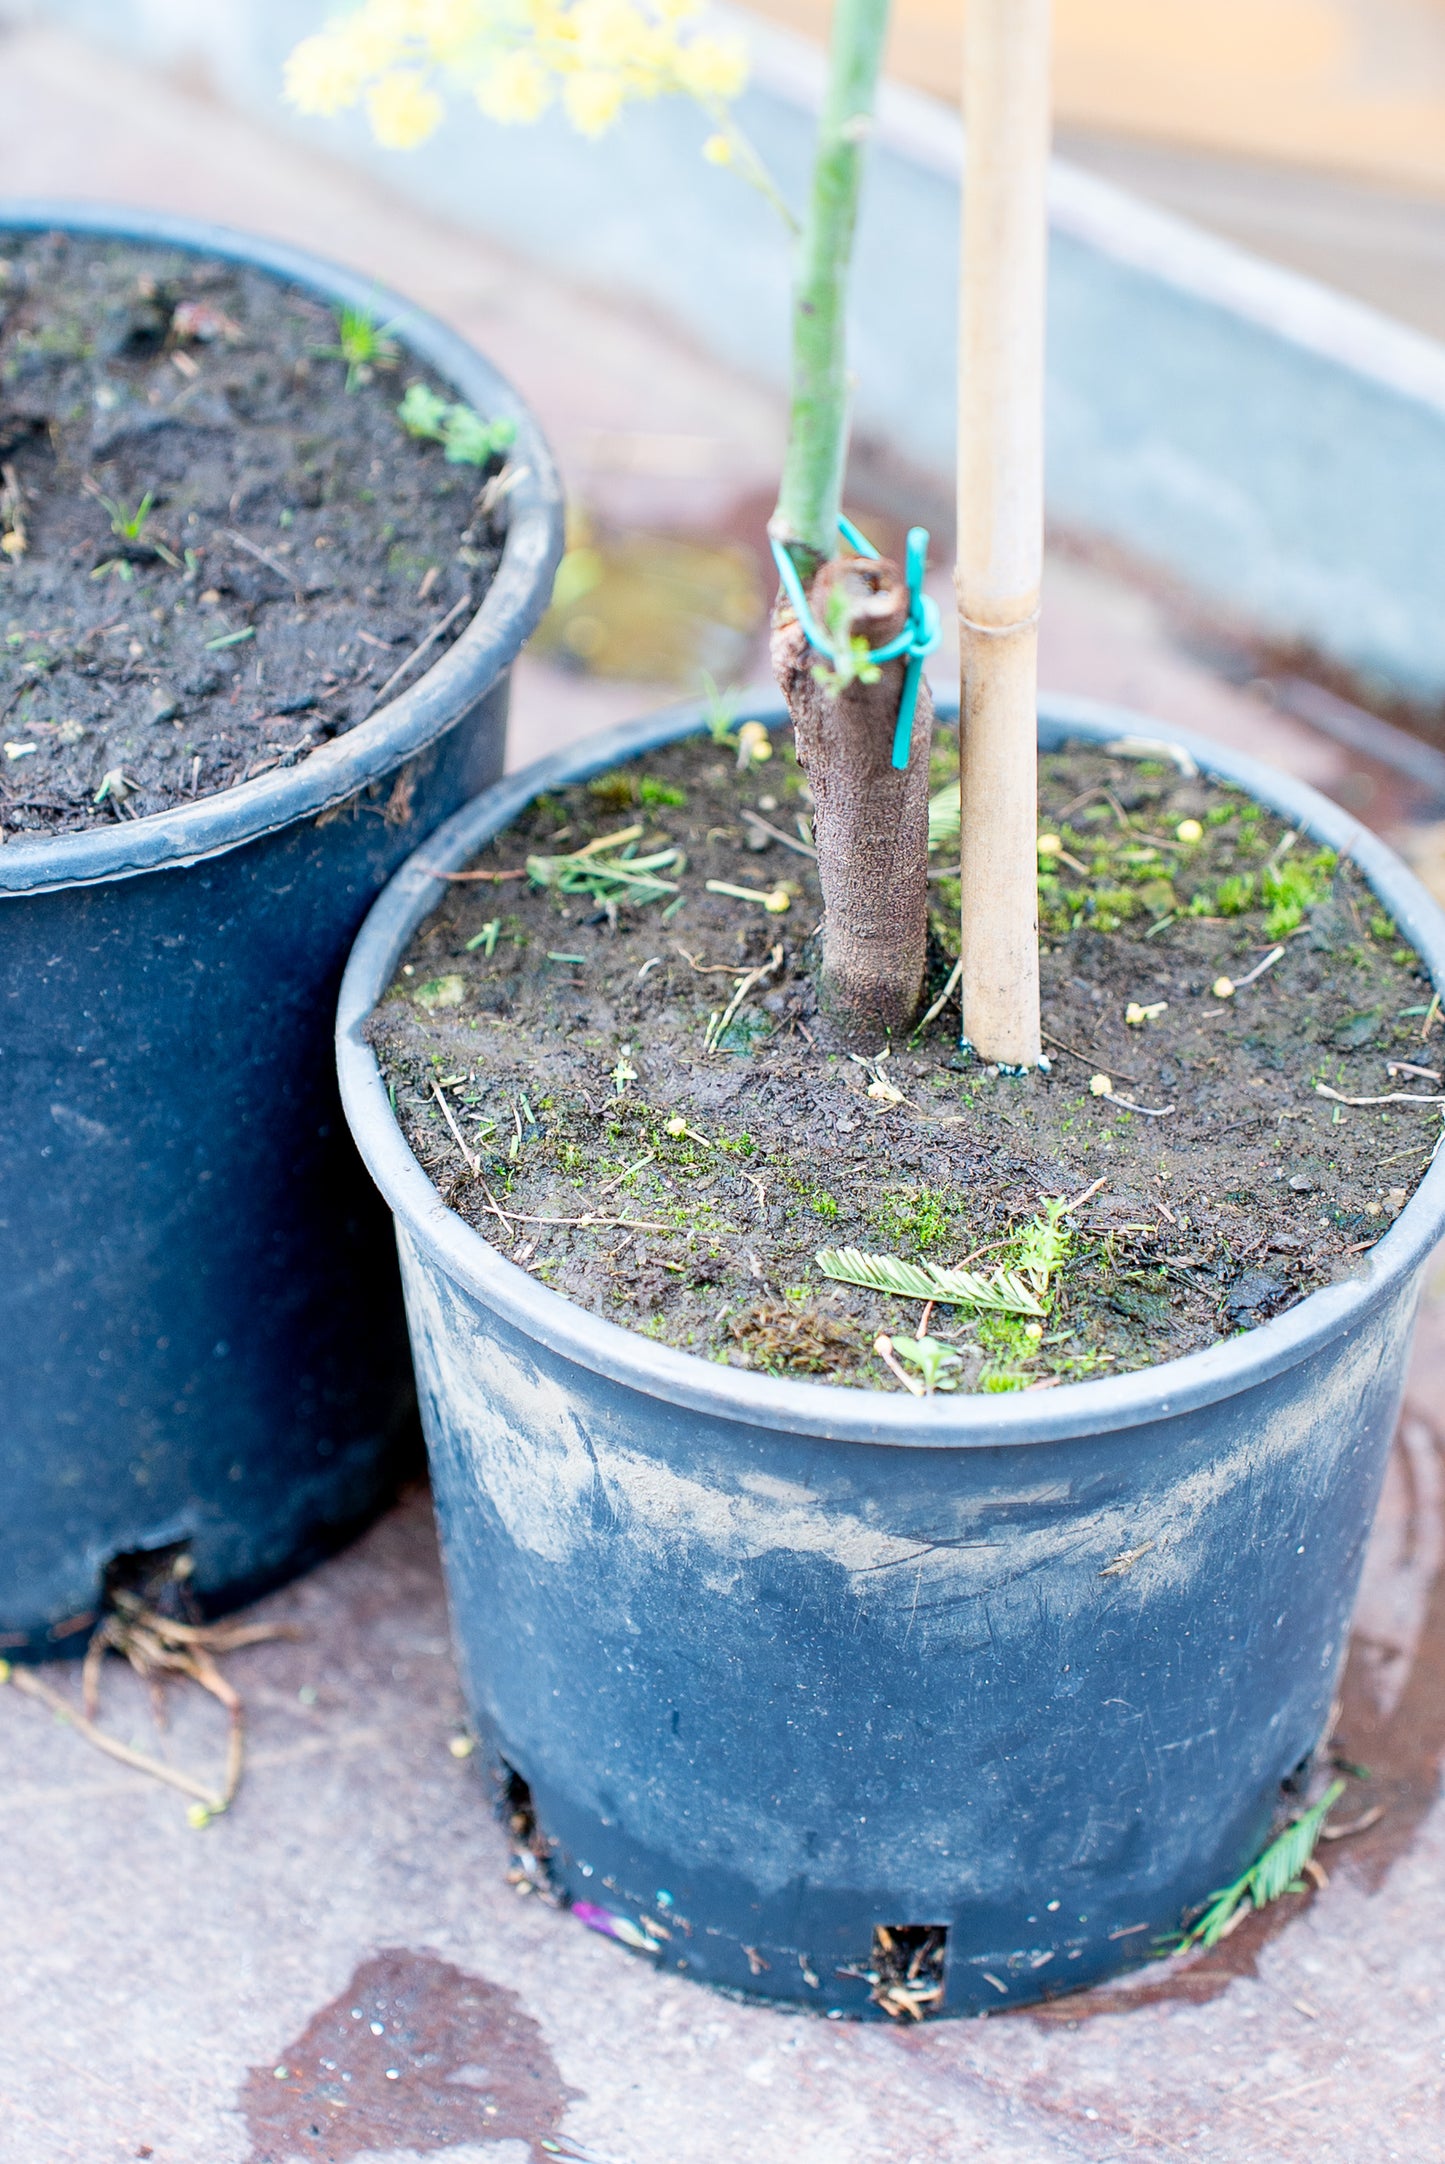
column 468, row 440
column 363, row 344
column 720, row 710
column 937, row 1364
column 793, row 1209
column 129, row 525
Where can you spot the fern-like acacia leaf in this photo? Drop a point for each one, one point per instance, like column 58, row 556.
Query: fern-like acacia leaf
column 944, row 816
column 1005, row 1292
column 635, row 878
column 1275, row 1872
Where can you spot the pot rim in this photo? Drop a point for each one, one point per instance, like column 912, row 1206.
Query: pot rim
column 408, row 723
column 828, row 1410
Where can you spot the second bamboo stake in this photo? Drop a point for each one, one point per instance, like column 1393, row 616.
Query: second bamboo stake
column 1000, row 519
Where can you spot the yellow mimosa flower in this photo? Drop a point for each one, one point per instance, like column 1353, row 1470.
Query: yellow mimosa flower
column 593, row 101
column 515, row 89
column 712, row 68
column 403, row 109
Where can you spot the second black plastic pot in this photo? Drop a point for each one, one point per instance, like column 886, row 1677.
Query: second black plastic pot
column 201, row 1338
column 775, row 1664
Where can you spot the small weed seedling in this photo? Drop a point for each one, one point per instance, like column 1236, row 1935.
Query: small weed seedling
column 936, row 1363
column 364, row 344
column 720, row 711
column 466, row 438
column 129, row 525
column 133, row 528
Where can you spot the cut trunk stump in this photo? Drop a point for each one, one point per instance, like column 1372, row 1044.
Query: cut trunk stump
column 870, row 819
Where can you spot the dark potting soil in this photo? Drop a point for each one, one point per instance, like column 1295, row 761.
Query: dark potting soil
column 297, row 544
column 673, row 1157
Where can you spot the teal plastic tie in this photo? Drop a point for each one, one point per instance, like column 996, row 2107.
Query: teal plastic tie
column 915, row 641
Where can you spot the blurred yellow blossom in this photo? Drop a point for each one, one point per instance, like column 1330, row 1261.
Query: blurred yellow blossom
column 403, row 109
column 515, row 89
column 513, row 56
column 710, row 68
column 593, row 98
column 324, row 75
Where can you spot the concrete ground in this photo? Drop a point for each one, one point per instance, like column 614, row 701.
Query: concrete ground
column 211, row 1996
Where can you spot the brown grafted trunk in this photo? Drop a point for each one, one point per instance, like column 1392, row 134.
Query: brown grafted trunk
column 870, row 821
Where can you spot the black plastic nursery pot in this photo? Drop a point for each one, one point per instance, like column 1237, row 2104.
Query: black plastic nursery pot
column 201, row 1336
column 780, row 1663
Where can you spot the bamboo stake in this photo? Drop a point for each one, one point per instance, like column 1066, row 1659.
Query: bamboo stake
column 1000, row 519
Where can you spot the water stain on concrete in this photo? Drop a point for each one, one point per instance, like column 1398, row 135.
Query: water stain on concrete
column 1391, row 1728
column 414, row 2054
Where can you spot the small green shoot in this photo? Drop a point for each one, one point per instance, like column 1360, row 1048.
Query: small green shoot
column 423, row 412
column 1278, row 1871
column 853, row 661
column 1293, row 887
column 487, row 937
column 720, row 711
column 936, row 1363
column 467, row 439
column 471, row 441
column 364, row 344
column 129, row 525
column 915, row 1218
column 624, row 1074
column 1043, row 1246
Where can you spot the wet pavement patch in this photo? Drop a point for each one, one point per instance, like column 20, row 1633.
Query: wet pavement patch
column 414, row 2054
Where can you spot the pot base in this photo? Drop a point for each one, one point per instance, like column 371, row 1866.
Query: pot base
column 843, row 1953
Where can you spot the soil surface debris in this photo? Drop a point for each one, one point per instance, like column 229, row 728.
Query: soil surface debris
column 614, row 1068
column 218, row 542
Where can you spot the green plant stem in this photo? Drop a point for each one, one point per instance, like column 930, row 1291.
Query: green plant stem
column 809, row 499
